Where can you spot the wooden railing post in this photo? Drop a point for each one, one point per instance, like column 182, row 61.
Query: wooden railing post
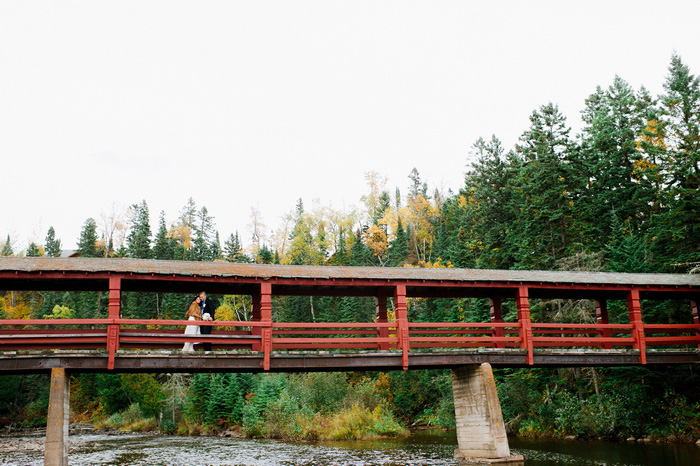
column 635, row 312
column 266, row 320
column 382, row 332
column 255, row 317
column 696, row 317
column 114, row 310
column 601, row 317
column 402, row 322
column 497, row 317
column 523, row 306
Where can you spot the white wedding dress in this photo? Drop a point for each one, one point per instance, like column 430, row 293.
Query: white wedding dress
column 190, row 330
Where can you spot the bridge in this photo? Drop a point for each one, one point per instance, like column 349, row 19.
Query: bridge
column 470, row 349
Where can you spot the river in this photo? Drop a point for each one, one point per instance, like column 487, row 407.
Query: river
column 423, row 448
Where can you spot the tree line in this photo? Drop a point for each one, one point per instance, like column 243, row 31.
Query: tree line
column 623, row 195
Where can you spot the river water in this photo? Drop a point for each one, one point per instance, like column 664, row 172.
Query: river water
column 423, row 448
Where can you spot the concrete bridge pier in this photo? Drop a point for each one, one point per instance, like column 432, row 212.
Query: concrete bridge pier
column 481, row 433
column 56, row 447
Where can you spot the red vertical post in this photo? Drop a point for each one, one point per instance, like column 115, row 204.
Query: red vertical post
column 635, row 312
column 266, row 319
column 523, row 306
column 696, row 317
column 601, row 317
column 114, row 310
column 497, row 317
column 255, row 317
column 382, row 332
column 402, row 322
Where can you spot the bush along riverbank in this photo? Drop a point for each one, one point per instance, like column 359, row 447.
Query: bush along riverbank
column 651, row 403
column 629, row 403
column 303, row 407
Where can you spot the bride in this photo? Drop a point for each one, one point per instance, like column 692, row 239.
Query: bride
column 194, row 312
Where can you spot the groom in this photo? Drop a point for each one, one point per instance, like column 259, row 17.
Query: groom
column 208, row 307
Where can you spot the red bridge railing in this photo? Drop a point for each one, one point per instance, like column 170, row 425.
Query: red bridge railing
column 267, row 337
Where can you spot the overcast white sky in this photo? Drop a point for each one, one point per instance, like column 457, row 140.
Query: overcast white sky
column 244, row 104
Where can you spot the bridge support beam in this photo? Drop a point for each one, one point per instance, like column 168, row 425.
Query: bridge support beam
column 382, row 318
column 634, row 309
column 262, row 312
column 497, row 317
column 696, row 316
column 601, row 317
column 56, row 448
column 481, row 433
column 401, row 309
column 114, row 307
column 522, row 302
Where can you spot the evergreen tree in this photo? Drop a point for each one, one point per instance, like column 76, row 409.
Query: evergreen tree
column 233, row 250
column 87, row 244
column 52, row 246
column 264, row 255
column 33, row 250
column 139, row 239
column 417, row 188
column 203, row 236
column 341, row 256
column 164, row 245
column 7, row 248
column 545, row 181
column 611, row 159
column 678, row 230
column 216, row 253
column 399, row 247
column 360, row 254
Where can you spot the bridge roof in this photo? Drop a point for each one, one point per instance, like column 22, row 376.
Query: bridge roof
column 316, row 275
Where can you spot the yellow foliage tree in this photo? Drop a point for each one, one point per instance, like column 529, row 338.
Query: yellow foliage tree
column 15, row 307
column 375, row 238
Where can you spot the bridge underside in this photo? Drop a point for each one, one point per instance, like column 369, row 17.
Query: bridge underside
column 77, row 361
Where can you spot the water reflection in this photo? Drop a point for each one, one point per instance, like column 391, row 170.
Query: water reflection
column 423, row 448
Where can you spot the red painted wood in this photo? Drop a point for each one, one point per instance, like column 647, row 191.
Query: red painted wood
column 696, row 316
column 635, row 312
column 114, row 312
column 402, row 322
column 601, row 315
column 266, row 320
column 496, row 318
column 114, row 332
column 382, row 318
column 523, row 306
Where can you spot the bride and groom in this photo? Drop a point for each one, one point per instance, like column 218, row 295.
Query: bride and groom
column 201, row 309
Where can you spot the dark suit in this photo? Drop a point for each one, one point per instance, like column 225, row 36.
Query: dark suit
column 209, row 305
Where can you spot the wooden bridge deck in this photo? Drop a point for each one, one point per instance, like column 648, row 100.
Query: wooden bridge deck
column 76, row 361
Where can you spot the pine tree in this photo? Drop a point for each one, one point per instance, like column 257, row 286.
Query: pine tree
column 399, row 247
column 33, row 250
column 216, row 253
column 233, row 250
column 235, row 398
column 341, row 256
column 7, row 248
column 52, row 246
column 164, row 245
column 360, row 254
column 264, row 255
column 678, row 230
column 610, row 158
column 139, row 239
column 545, row 181
column 87, row 244
column 203, row 233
